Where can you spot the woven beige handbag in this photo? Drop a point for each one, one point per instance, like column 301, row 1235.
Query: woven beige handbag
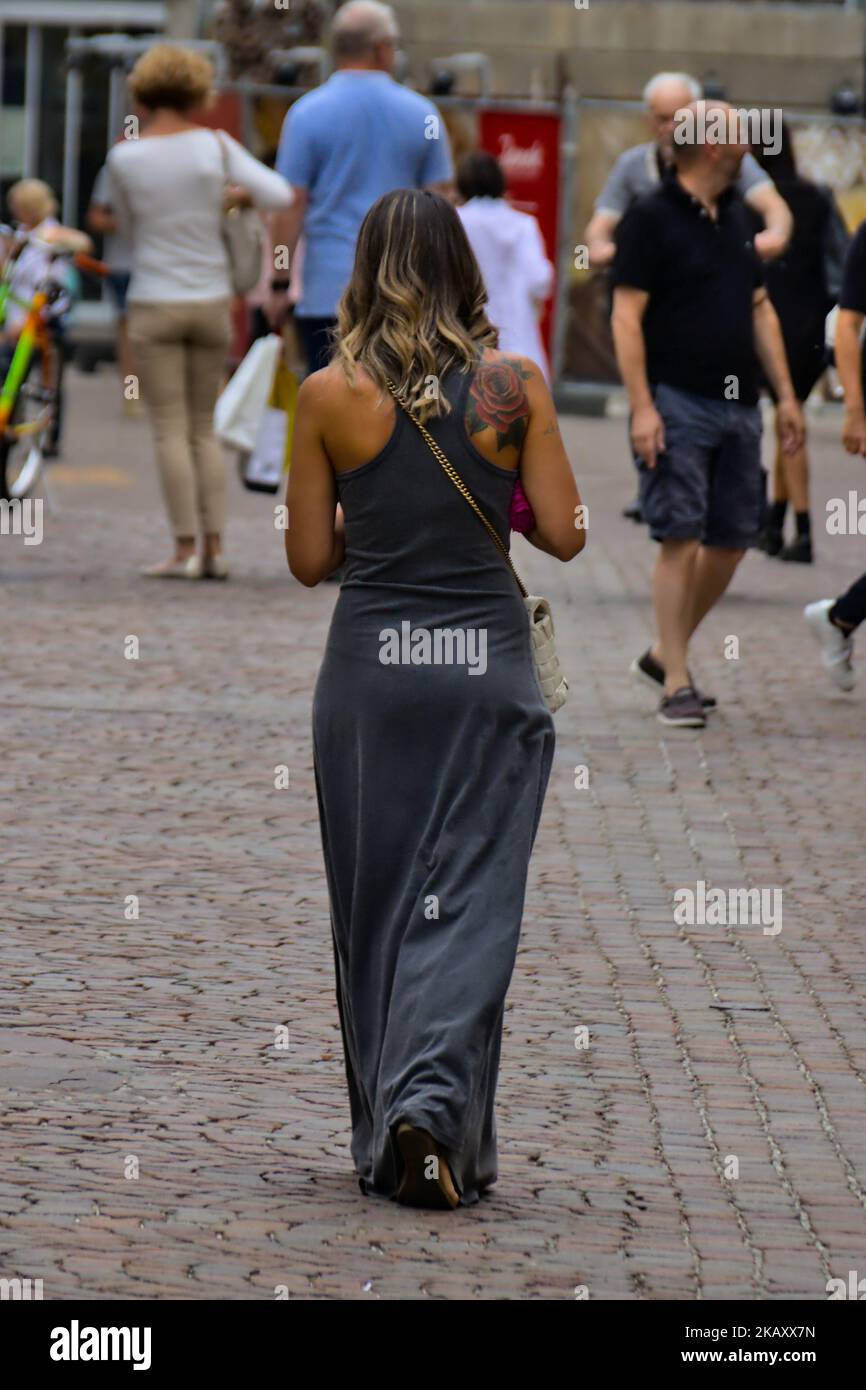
column 554, row 685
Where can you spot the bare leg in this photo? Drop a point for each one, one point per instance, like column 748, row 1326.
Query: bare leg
column 714, row 570
column 796, row 468
column 791, row 476
column 672, row 584
column 708, row 572
column 780, row 486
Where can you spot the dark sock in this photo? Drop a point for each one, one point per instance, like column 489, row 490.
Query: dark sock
column 777, row 515
column 845, row 628
column 804, row 524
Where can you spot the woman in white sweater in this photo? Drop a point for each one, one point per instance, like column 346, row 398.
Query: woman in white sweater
column 169, row 186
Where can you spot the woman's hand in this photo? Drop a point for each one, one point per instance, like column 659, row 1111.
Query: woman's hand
column 234, row 196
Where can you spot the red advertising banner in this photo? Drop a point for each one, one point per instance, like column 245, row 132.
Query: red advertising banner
column 527, row 146
column 225, row 113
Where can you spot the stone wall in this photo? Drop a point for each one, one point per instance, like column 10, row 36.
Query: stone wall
column 791, row 54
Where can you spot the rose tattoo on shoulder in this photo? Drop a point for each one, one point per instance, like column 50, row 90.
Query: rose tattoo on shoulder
column 497, row 400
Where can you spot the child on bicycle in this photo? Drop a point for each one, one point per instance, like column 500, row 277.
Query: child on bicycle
column 33, row 208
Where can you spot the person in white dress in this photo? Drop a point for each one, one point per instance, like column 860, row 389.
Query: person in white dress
column 509, row 248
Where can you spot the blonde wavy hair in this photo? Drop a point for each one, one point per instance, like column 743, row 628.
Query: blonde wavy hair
column 414, row 307
column 168, row 75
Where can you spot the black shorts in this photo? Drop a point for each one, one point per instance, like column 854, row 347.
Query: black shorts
column 708, row 485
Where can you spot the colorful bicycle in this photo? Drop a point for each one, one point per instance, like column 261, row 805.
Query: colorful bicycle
column 30, row 391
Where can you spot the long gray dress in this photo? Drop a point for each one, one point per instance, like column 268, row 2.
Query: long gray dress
column 430, row 777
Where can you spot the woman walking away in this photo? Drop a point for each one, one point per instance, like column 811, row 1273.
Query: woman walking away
column 509, row 249
column 169, row 189
column 803, row 286
column 432, row 741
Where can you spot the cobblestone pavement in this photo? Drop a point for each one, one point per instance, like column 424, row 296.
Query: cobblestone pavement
column 151, row 1041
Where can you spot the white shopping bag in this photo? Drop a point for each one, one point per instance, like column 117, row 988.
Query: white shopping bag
column 263, row 470
column 264, row 467
column 239, row 409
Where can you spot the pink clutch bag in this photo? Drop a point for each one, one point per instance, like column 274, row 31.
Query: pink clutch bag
column 520, row 515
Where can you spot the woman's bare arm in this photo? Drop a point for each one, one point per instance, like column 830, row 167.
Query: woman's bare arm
column 511, row 419
column 315, row 543
column 546, row 476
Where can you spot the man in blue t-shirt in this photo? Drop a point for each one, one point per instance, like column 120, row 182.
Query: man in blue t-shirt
column 342, row 146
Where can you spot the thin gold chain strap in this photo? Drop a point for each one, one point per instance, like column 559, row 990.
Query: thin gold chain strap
column 452, row 474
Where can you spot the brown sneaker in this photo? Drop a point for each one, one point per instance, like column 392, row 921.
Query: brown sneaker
column 682, row 710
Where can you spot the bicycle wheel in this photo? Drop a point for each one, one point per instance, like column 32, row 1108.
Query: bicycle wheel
column 29, row 427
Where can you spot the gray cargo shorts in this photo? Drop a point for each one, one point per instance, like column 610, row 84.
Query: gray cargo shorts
column 708, row 485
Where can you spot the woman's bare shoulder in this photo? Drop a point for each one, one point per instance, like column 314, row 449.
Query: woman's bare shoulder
column 331, row 388
column 352, row 418
column 502, row 396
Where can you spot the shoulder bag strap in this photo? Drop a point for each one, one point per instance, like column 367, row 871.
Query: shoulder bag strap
column 224, row 155
column 454, row 477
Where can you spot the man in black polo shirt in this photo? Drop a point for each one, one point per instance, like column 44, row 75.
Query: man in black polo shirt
column 834, row 621
column 690, row 315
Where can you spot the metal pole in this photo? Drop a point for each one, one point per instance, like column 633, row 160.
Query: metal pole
column 32, row 99
column 116, row 102
column 72, row 142
column 567, row 158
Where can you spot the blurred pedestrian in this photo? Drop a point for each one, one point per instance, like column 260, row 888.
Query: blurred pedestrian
column 690, row 313
column 117, row 255
column 509, row 249
column 803, row 284
column 641, row 168
column 354, row 138
column 430, row 783
column 833, row 622
column 33, row 209
column 169, row 187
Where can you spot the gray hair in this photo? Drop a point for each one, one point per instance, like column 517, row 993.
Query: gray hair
column 361, row 24
column 661, row 79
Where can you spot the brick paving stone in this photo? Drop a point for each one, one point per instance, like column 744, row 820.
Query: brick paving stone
column 153, row 1038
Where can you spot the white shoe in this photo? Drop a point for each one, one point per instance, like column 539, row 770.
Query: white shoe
column 191, row 568
column 216, row 567
column 836, row 649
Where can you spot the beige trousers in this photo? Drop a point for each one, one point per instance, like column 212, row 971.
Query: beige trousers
column 180, row 352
